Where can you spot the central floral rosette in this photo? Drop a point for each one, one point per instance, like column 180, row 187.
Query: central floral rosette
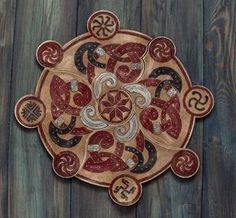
column 115, row 106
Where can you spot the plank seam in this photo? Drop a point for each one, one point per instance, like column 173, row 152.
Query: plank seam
column 10, row 104
column 77, row 15
column 203, row 129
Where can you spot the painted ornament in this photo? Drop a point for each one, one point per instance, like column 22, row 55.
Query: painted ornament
column 115, row 108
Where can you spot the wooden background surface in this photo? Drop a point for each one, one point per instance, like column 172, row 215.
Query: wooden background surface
column 205, row 35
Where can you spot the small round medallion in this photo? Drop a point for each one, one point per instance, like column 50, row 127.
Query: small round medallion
column 125, row 190
column 185, row 163
column 198, row 101
column 49, row 54
column 103, row 25
column 66, row 164
column 30, row 111
column 162, row 49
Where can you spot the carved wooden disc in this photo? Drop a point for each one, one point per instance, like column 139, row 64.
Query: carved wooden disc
column 117, row 108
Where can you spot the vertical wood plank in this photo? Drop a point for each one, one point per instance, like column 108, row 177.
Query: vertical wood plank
column 34, row 190
column 219, row 178
column 88, row 200
column 127, row 11
column 169, row 196
column 7, row 20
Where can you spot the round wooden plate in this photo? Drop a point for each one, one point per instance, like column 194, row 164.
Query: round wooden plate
column 115, row 108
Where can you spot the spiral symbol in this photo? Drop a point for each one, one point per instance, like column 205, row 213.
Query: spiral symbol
column 162, row 49
column 49, row 54
column 66, row 164
column 185, row 163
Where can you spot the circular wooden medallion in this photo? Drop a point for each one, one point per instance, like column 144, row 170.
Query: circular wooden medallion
column 49, row 54
column 198, row 101
column 162, row 49
column 30, row 111
column 185, row 163
column 119, row 106
column 103, row 25
column 66, row 164
column 125, row 190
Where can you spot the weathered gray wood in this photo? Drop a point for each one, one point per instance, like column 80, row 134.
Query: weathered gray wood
column 169, row 196
column 7, row 19
column 128, row 12
column 88, row 200
column 34, row 190
column 219, row 176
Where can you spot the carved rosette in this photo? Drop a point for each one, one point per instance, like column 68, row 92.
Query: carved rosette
column 115, row 108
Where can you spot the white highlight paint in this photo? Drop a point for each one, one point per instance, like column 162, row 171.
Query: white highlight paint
column 85, row 117
column 145, row 99
column 93, row 147
column 125, row 134
column 108, row 78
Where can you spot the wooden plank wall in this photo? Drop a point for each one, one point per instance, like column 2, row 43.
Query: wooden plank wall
column 219, row 176
column 205, row 36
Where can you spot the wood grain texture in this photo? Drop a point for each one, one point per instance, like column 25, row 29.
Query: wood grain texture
column 93, row 201
column 34, row 190
column 219, row 176
column 7, row 20
column 168, row 196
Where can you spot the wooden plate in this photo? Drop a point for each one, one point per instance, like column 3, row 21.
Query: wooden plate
column 115, row 108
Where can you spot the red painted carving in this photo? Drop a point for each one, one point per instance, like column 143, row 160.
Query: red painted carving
column 162, row 49
column 105, row 161
column 61, row 96
column 49, row 54
column 147, row 116
column 66, row 164
column 129, row 53
column 115, row 106
column 185, row 163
